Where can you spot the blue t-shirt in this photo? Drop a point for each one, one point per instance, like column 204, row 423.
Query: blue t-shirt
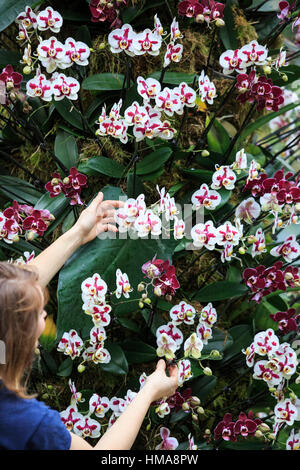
column 29, row 424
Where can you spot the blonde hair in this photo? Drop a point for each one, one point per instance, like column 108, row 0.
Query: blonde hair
column 21, row 302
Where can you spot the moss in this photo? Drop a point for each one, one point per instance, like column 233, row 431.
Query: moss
column 245, row 31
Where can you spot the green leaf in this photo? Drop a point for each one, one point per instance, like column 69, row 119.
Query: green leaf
column 118, row 364
column 228, row 32
column 201, row 176
column 129, row 324
column 258, row 123
column 18, row 189
column 55, row 205
column 220, row 290
column 153, row 161
column 292, row 71
column 242, row 336
column 262, row 316
column 10, row 9
column 65, row 149
column 103, row 81
column 65, row 368
column 203, row 386
column 70, row 114
column 106, row 166
column 220, row 341
column 137, row 352
column 9, row 57
column 174, row 78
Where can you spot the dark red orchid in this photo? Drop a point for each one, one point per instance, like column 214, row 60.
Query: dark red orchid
column 262, row 281
column 102, row 10
column 246, row 426
column 70, row 186
column 35, row 223
column 11, row 78
column 13, row 212
column 261, row 90
column 168, row 281
column 285, row 9
column 225, row 429
column 190, row 8
column 287, row 321
column 256, row 185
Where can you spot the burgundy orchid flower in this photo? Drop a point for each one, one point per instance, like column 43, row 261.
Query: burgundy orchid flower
column 168, row 281
column 11, row 78
column 287, row 321
column 246, row 425
column 190, row 8
column 35, row 223
column 225, row 429
column 70, row 186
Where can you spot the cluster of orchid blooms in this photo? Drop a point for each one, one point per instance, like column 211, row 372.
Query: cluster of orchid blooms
column 276, row 366
column 51, row 54
column 106, row 10
column 207, row 11
column 23, row 220
column 162, row 278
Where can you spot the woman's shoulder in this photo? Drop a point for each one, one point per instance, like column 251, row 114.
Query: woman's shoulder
column 29, row 423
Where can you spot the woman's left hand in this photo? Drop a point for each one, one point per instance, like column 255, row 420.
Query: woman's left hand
column 98, row 217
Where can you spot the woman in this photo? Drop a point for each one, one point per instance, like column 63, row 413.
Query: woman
column 25, row 422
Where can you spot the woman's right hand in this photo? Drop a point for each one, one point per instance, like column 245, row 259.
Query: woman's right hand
column 159, row 385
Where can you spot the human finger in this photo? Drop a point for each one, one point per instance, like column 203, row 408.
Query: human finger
column 161, row 365
column 97, row 200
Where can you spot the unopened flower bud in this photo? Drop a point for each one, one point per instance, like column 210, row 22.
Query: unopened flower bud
column 9, row 85
column 101, row 46
column 147, row 301
column 205, row 153
column 148, row 427
column 215, row 353
column 66, row 180
column 195, row 401
column 144, row 296
column 284, row 77
column 45, row 396
column 220, row 22
column 195, row 418
column 199, row 18
column 168, row 297
column 259, row 434
column 207, row 371
column 207, row 432
column 200, row 410
column 185, row 406
column 297, row 381
column 267, row 69
column 288, row 276
column 12, row 96
column 54, row 181
column 272, row 436
column 141, row 304
column 292, row 396
column 140, row 287
column 81, row 368
column 16, row 238
column 51, row 217
column 30, row 236
column 251, row 239
column 272, row 389
column 263, row 427
column 50, row 387
column 242, row 250
column 27, row 70
column 157, row 291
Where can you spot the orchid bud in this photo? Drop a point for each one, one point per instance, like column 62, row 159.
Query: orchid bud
column 242, row 251
column 297, row 381
column 16, row 238
column 81, row 368
column 194, row 401
column 12, row 96
column 185, row 406
column 27, row 70
column 288, row 276
column 30, row 236
column 215, row 353
column 284, row 77
column 205, row 153
column 9, row 85
column 168, row 297
column 51, row 217
column 259, row 434
column 50, row 387
column 148, row 427
column 263, row 427
column 147, row 301
column 272, row 436
column 144, row 296
column 195, row 418
column 199, row 18
column 157, row 291
column 101, row 46
column 207, row 371
column 267, row 69
column 140, row 287
column 66, row 180
column 220, row 22
column 200, row 410
column 45, row 396
column 141, row 304
column 54, row 181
